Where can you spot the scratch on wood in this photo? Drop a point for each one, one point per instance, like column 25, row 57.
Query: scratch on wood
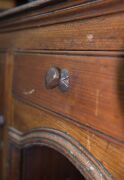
column 107, row 146
column 29, row 92
column 88, row 142
column 97, row 102
column 90, row 37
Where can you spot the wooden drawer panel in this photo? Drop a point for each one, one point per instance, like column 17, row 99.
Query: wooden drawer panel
column 95, row 97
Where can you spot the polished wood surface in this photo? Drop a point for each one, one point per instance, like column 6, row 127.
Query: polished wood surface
column 101, row 33
column 64, row 11
column 1, row 81
column 108, row 153
column 8, row 108
column 95, row 96
column 1, row 106
column 86, row 38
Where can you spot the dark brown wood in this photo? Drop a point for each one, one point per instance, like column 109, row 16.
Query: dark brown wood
column 95, row 97
column 1, row 150
column 87, row 37
column 14, row 160
column 109, row 154
column 8, row 108
column 88, row 34
column 87, row 165
column 83, row 10
column 1, row 82
column 46, row 163
column 1, row 107
column 6, row 4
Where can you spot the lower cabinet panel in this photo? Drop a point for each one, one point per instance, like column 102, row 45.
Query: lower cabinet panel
column 47, row 164
column 50, row 154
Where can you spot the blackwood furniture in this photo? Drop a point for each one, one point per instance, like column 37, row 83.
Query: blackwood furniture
column 62, row 90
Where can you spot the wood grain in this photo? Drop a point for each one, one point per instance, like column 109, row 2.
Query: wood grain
column 77, row 35
column 2, row 58
column 59, row 14
column 60, row 141
column 109, row 154
column 95, row 98
column 8, row 107
column 14, row 163
column 1, row 81
column 102, row 33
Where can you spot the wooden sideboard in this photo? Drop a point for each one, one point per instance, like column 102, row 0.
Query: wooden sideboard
column 62, row 90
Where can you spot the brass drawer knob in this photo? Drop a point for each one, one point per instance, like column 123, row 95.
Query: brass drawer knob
column 56, row 77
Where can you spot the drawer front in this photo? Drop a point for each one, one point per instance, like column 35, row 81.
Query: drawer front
column 95, row 96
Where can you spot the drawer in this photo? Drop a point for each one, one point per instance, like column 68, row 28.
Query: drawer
column 95, row 95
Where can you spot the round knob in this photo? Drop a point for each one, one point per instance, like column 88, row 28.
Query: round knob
column 52, row 78
column 56, row 77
